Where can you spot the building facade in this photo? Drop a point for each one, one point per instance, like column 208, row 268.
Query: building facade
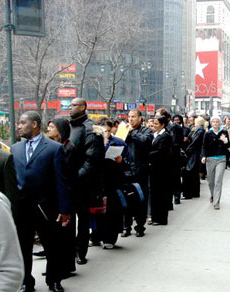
column 213, row 57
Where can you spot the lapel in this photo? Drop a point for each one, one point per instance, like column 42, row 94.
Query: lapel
column 41, row 146
column 157, row 138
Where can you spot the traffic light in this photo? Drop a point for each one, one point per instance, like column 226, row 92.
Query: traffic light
column 28, row 17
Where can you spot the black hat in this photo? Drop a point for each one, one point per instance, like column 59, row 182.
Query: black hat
column 63, row 127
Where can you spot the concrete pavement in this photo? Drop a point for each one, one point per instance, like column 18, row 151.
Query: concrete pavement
column 190, row 254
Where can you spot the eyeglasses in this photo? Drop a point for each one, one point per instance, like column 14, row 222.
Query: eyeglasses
column 76, row 104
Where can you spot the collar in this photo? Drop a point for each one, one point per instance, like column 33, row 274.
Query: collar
column 35, row 139
column 159, row 133
column 78, row 120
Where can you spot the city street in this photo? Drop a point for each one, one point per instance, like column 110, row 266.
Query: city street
column 191, row 254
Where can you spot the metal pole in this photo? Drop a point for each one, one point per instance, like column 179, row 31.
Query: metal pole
column 8, row 29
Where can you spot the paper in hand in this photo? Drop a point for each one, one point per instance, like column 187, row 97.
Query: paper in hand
column 122, row 131
column 113, row 152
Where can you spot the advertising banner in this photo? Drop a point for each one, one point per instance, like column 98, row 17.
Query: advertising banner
column 209, row 74
column 66, row 92
column 67, row 75
column 96, row 105
column 31, row 105
column 68, row 68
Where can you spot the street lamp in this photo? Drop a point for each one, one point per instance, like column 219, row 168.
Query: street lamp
column 145, row 68
column 174, row 100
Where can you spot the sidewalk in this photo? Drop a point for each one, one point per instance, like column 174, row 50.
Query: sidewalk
column 190, row 254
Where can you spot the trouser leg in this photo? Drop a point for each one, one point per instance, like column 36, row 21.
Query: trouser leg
column 83, row 231
column 220, row 168
column 26, row 234
column 211, row 170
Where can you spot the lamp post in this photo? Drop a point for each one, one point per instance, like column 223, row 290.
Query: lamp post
column 174, row 100
column 145, row 68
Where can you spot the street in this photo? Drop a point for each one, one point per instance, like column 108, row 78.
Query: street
column 190, row 254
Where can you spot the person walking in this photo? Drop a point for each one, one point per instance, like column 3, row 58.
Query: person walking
column 214, row 151
column 44, row 203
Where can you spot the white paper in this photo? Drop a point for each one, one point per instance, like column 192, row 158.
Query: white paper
column 113, row 152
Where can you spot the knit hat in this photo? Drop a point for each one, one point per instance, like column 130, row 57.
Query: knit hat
column 63, row 127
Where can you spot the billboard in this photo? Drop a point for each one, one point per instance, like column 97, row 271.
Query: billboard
column 66, row 92
column 209, row 66
column 32, row 105
column 96, row 105
column 67, row 68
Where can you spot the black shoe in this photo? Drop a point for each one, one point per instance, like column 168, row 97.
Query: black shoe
column 177, row 201
column 56, row 287
column 26, row 288
column 81, row 261
column 40, row 253
column 126, row 233
column 140, row 234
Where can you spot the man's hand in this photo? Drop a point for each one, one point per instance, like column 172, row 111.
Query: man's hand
column 63, row 219
column 118, row 159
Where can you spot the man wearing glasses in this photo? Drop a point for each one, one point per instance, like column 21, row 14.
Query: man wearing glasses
column 89, row 144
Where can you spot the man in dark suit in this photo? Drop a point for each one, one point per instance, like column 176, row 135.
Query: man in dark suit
column 44, row 200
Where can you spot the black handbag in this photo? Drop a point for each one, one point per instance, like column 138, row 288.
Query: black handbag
column 183, row 158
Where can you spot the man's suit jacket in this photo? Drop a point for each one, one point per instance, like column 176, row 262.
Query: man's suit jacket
column 42, row 180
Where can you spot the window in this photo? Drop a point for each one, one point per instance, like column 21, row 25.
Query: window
column 210, row 14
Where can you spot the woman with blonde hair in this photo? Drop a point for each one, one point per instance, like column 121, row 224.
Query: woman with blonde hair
column 191, row 177
column 214, row 151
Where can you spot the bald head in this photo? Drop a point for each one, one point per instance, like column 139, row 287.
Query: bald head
column 77, row 107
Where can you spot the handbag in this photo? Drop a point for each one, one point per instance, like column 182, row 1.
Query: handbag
column 183, row 158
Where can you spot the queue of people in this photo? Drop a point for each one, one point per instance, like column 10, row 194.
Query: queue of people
column 66, row 174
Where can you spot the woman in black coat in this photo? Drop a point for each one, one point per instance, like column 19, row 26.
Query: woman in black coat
column 159, row 163
column 59, row 130
column 191, row 174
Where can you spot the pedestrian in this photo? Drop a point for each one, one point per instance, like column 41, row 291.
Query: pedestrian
column 89, row 144
column 113, row 179
column 177, row 135
column 11, row 261
column 44, row 198
column 191, row 174
column 58, row 129
column 214, row 151
column 159, row 171
column 138, row 142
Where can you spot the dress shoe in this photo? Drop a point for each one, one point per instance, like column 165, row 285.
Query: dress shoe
column 56, row 287
column 94, row 243
column 26, row 288
column 40, row 253
column 81, row 261
column 126, row 233
column 177, row 201
column 140, row 234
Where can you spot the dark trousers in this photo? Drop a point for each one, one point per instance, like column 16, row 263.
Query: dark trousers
column 50, row 234
column 160, row 197
column 82, row 240
column 191, row 184
column 137, row 209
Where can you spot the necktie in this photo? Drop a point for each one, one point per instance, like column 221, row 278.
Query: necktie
column 30, row 149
